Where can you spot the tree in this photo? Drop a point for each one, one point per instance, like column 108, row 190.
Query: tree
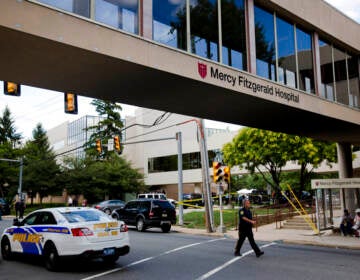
column 40, row 167
column 309, row 154
column 7, row 129
column 268, row 152
column 112, row 177
column 110, row 124
column 9, row 171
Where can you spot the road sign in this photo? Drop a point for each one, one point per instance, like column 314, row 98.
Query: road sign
column 110, row 144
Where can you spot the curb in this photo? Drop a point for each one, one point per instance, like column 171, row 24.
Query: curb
column 233, row 235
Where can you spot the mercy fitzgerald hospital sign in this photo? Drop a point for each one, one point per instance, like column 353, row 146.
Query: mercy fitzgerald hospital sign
column 242, row 82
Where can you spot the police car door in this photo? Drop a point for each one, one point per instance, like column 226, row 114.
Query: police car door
column 25, row 239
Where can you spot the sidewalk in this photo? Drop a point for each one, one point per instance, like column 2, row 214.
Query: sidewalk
column 269, row 233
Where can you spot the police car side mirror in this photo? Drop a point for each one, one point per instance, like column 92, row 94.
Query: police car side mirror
column 16, row 222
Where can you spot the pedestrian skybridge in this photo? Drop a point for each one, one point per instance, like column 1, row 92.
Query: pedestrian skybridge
column 45, row 48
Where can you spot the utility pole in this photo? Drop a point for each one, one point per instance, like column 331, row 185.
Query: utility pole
column 180, row 180
column 209, row 214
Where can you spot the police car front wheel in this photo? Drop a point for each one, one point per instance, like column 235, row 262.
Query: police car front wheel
column 6, row 248
column 52, row 261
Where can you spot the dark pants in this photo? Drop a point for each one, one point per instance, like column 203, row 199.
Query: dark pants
column 346, row 229
column 242, row 236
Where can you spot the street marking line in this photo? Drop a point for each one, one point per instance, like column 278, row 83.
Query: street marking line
column 217, row 269
column 150, row 258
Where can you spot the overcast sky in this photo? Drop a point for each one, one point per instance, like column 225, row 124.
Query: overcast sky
column 47, row 107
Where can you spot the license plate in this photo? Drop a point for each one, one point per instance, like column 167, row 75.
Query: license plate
column 109, row 251
column 164, row 215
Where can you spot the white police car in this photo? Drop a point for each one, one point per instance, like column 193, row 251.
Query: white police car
column 64, row 232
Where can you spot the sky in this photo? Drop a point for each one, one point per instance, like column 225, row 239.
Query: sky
column 37, row 105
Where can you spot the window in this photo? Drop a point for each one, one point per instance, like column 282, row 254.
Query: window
column 233, row 33
column 354, row 90
column 169, row 163
column 79, row 7
column 286, row 53
column 341, row 82
column 327, row 79
column 204, row 28
column 265, row 43
column 169, row 23
column 305, row 61
column 47, row 218
column 122, row 14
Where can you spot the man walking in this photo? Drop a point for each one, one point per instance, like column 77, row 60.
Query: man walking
column 245, row 230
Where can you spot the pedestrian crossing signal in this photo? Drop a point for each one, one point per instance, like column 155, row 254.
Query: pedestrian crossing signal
column 71, row 106
column 11, row 88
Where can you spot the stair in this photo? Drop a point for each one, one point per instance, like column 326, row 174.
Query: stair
column 296, row 222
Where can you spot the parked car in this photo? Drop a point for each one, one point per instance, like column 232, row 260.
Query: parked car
column 4, row 207
column 66, row 232
column 147, row 213
column 108, row 206
column 192, row 199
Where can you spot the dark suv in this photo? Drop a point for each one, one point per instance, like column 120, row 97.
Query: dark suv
column 146, row 213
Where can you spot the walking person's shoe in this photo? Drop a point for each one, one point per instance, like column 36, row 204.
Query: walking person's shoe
column 258, row 254
column 237, row 254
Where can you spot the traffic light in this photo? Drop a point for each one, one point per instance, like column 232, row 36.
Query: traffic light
column 11, row 88
column 217, row 172
column 71, row 106
column 227, row 175
column 117, row 143
column 98, row 146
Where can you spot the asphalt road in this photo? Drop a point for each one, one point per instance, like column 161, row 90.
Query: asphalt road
column 157, row 255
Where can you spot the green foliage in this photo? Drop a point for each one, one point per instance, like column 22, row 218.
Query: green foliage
column 268, row 152
column 7, row 129
column 110, row 124
column 94, row 179
column 249, row 181
column 9, row 171
column 40, row 168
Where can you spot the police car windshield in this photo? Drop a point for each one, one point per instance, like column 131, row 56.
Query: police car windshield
column 85, row 216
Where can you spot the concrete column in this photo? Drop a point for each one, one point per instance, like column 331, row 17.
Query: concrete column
column 316, row 60
column 347, row 196
column 146, row 17
column 250, row 36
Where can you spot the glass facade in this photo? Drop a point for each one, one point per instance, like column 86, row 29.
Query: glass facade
column 305, row 61
column 169, row 163
column 77, row 134
column 169, row 23
column 327, row 78
column 286, row 53
column 79, row 7
column 122, row 14
column 354, row 83
column 265, row 43
column 341, row 83
column 204, row 28
column 233, row 33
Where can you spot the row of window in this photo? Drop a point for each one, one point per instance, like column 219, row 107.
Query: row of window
column 284, row 50
column 170, row 163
